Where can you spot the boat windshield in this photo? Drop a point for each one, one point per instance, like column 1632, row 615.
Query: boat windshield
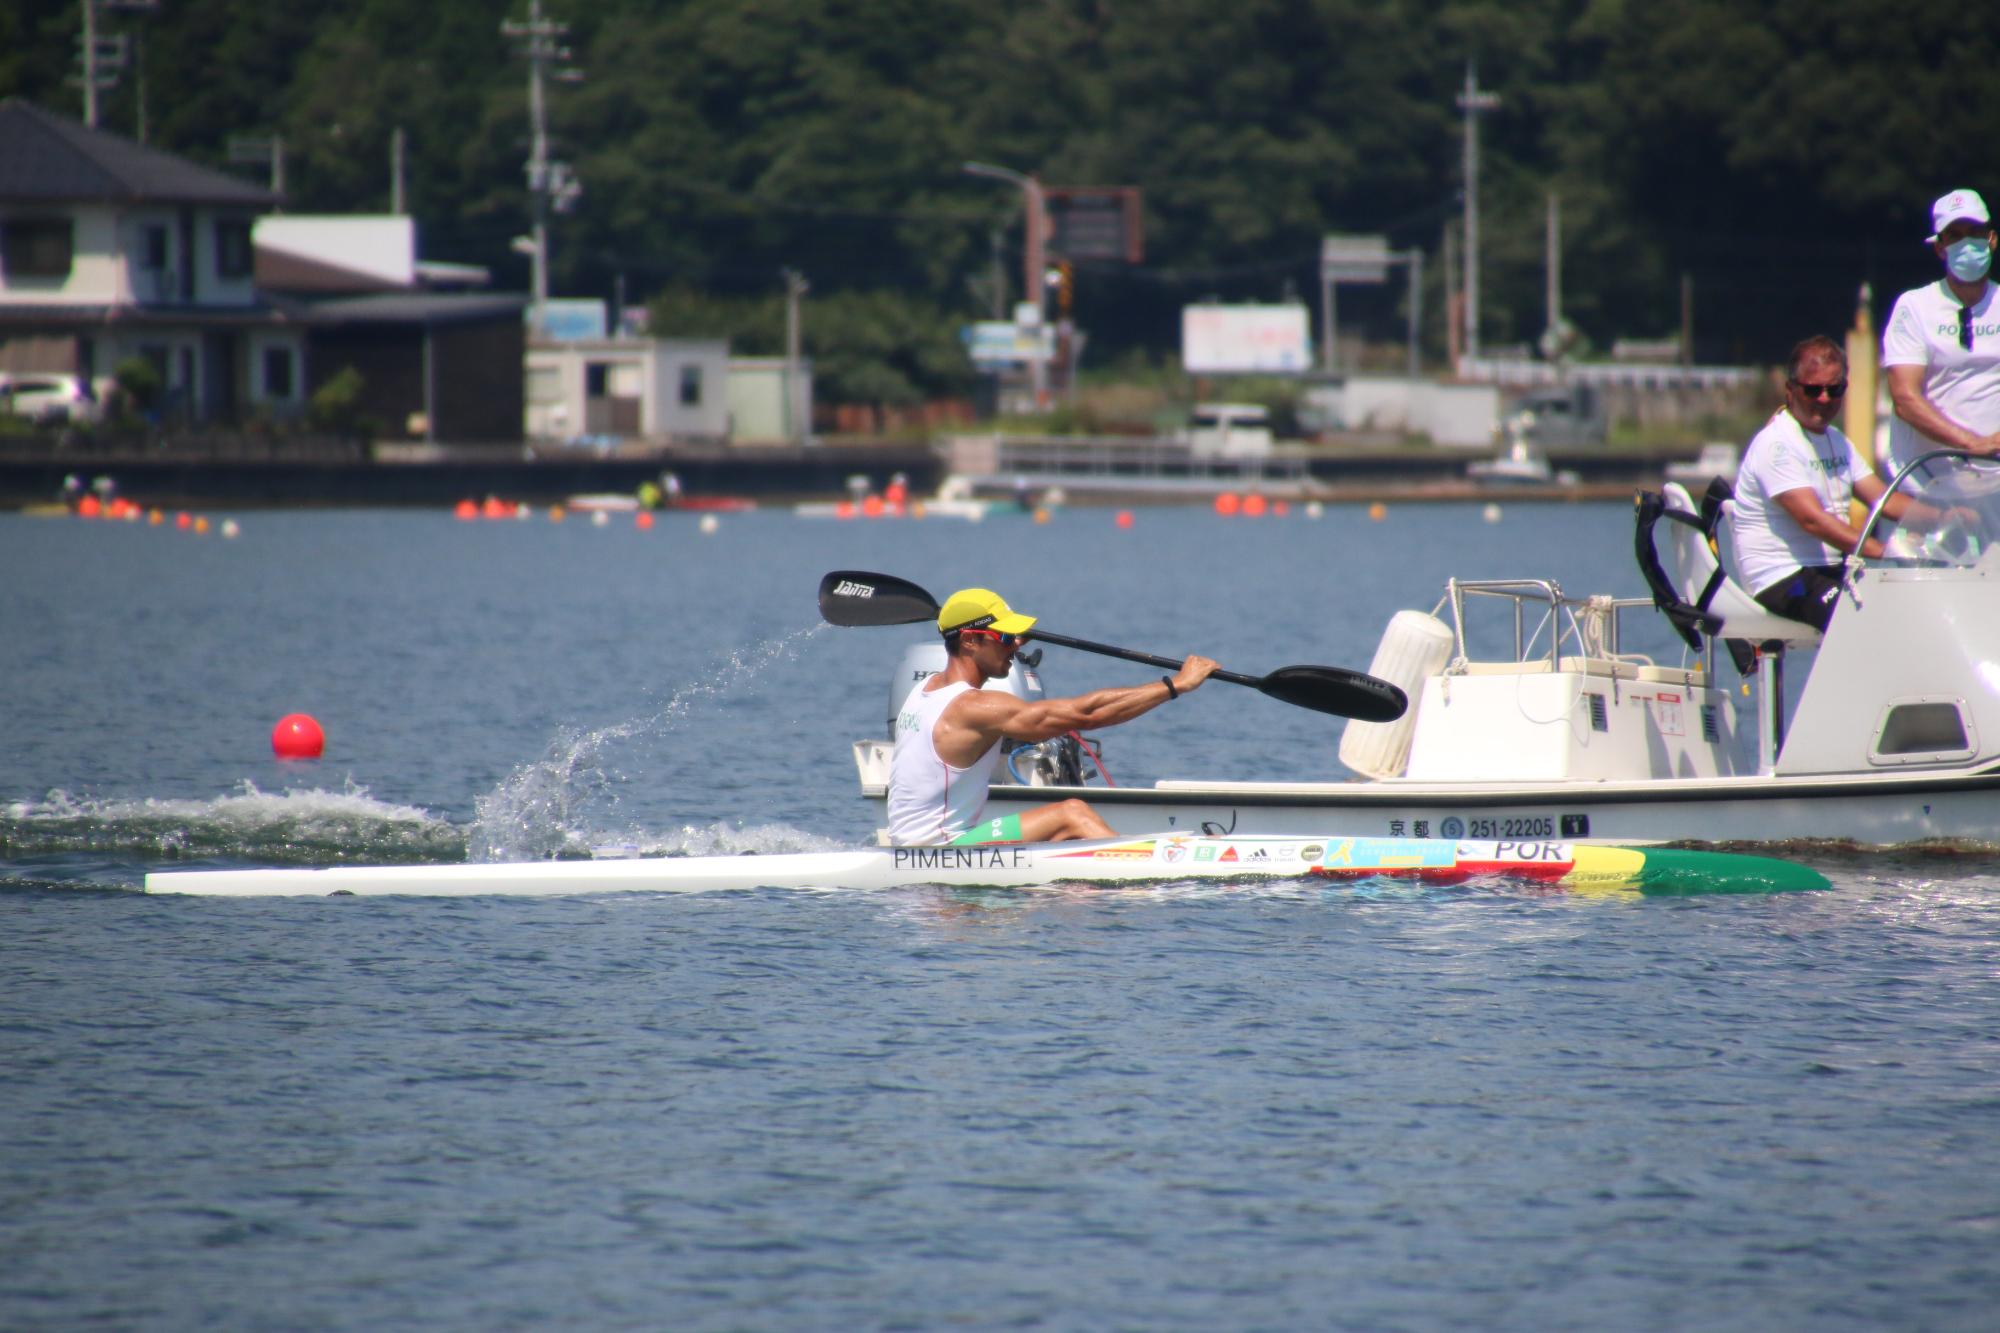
column 1948, row 479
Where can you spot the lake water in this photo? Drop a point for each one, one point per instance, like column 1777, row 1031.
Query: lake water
column 1371, row 1107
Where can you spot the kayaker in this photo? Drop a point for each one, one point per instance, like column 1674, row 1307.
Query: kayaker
column 1790, row 519
column 949, row 729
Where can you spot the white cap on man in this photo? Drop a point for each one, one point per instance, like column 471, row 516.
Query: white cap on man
column 1958, row 206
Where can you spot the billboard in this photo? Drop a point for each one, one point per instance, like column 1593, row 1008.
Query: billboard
column 1095, row 222
column 998, row 345
column 1245, row 339
column 568, row 319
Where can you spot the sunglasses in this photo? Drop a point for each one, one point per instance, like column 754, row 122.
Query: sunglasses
column 1006, row 640
column 1828, row 392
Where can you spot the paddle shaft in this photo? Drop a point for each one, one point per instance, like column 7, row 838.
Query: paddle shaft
column 1040, row 635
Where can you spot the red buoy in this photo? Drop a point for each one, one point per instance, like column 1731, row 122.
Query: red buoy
column 297, row 736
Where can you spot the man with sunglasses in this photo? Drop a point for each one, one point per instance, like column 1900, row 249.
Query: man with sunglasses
column 1941, row 347
column 949, row 729
column 1790, row 518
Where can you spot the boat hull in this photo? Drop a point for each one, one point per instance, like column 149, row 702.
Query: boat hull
column 1886, row 810
column 1152, row 858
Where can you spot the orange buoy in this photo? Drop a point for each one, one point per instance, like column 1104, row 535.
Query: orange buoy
column 297, row 736
column 643, row 520
column 89, row 507
column 1227, row 503
column 1123, row 518
column 1253, row 506
column 466, row 509
column 872, row 507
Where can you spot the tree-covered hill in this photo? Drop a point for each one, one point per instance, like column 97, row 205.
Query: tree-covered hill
column 1776, row 153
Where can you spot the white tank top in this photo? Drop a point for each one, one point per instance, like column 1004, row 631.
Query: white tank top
column 929, row 800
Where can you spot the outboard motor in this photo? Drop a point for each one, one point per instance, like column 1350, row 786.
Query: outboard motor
column 1057, row 762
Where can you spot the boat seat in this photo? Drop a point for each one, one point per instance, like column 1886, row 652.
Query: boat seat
column 1691, row 566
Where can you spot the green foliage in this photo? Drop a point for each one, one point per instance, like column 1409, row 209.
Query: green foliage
column 1773, row 153
column 138, row 380
column 335, row 406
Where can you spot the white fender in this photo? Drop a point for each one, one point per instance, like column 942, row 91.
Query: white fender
column 1414, row 648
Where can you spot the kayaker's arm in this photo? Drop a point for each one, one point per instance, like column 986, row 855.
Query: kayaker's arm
column 979, row 717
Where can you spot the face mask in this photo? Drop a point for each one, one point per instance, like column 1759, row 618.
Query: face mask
column 1969, row 259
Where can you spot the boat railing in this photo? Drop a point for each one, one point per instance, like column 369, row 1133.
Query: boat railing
column 1876, row 510
column 1587, row 626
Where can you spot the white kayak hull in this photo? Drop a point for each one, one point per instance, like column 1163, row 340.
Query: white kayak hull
column 1153, row 858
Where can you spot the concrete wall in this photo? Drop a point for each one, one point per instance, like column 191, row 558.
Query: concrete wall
column 758, row 411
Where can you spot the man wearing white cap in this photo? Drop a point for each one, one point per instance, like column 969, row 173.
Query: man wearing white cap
column 948, row 732
column 1941, row 347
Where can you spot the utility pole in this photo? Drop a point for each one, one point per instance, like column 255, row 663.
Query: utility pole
column 1552, row 265
column 796, row 287
column 90, row 63
column 1416, row 260
column 1453, row 300
column 550, row 184
column 396, row 150
column 102, row 58
column 1034, row 284
column 1472, row 101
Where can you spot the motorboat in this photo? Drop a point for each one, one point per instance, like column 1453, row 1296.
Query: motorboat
column 1894, row 739
column 1716, row 459
column 1522, row 462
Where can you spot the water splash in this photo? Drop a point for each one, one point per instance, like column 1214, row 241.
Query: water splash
column 723, row 840
column 301, row 827
column 549, row 808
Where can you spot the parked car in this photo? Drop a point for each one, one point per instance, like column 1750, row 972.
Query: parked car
column 48, row 398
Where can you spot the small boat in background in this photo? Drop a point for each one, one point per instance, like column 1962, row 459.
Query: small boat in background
column 1716, row 459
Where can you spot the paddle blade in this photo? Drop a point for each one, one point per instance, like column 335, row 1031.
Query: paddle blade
column 1331, row 690
column 853, row 597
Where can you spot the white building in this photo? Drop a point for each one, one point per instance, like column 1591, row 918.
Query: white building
column 638, row 389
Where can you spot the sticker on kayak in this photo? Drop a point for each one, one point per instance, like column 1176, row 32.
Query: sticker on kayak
column 1131, row 851
column 1389, row 854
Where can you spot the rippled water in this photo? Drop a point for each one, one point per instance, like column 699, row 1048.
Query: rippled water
column 1298, row 1107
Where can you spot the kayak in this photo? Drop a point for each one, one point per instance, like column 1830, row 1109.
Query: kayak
column 1150, row 858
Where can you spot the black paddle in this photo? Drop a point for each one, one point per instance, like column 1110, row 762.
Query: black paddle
column 852, row 597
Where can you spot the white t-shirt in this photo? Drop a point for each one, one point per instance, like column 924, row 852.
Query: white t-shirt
column 930, row 801
column 1782, row 457
column 1965, row 386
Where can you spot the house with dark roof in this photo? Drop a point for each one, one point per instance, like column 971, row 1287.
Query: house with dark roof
column 437, row 362
column 110, row 250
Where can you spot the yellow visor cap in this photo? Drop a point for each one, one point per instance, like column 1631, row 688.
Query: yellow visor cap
column 981, row 608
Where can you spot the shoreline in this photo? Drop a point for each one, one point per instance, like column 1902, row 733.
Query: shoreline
column 768, row 476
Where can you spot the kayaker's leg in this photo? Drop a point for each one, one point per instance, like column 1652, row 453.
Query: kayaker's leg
column 1062, row 821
